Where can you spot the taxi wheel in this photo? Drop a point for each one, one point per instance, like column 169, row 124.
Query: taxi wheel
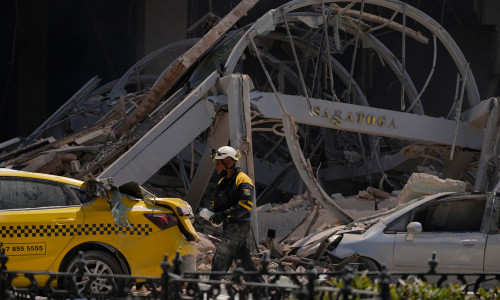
column 96, row 263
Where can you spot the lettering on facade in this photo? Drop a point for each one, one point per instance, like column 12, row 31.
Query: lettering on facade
column 337, row 117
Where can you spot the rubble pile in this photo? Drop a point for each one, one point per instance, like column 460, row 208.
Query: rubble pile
column 283, row 217
column 206, row 250
column 281, row 225
column 422, row 184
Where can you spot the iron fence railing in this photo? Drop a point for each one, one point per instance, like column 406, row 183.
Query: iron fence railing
column 174, row 285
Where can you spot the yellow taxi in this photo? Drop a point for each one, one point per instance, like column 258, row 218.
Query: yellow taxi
column 46, row 220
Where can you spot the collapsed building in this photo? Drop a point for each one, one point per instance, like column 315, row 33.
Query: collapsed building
column 289, row 91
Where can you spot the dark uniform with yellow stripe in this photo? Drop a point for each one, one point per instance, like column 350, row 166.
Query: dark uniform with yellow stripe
column 233, row 197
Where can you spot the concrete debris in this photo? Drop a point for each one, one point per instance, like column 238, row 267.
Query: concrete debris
column 378, row 193
column 97, row 137
column 422, row 184
column 74, row 166
column 206, row 250
column 365, row 195
column 283, row 217
column 271, row 244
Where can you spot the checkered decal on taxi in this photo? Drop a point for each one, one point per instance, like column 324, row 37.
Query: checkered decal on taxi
column 71, row 230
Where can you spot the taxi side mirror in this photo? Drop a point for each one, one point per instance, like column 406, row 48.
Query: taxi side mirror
column 412, row 228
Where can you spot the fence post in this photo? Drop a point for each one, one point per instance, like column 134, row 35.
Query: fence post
column 237, row 272
column 385, row 292
column 311, row 277
column 177, row 262
column 264, row 263
column 165, row 266
column 433, row 262
column 346, row 290
column 3, row 275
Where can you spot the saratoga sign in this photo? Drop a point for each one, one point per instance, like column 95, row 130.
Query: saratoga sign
column 370, row 120
column 338, row 117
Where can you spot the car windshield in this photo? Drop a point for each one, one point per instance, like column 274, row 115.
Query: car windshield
column 374, row 218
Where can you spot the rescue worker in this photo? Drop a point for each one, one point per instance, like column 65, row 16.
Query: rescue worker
column 231, row 205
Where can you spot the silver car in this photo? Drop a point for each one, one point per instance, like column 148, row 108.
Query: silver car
column 462, row 228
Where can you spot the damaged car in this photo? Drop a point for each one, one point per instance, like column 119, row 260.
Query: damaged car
column 461, row 228
column 47, row 220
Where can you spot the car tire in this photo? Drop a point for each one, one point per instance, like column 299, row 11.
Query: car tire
column 367, row 264
column 96, row 262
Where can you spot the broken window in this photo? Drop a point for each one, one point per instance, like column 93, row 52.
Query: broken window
column 81, row 194
column 399, row 225
column 452, row 216
column 24, row 193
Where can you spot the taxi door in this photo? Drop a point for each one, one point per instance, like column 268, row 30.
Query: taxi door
column 38, row 218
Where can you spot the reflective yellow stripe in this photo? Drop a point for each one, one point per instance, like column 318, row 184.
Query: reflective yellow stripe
column 244, row 205
column 243, row 178
column 250, row 202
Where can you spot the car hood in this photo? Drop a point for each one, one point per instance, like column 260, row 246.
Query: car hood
column 357, row 228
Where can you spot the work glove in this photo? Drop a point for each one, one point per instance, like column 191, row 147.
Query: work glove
column 218, row 218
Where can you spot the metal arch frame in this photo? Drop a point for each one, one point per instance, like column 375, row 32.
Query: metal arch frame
column 422, row 18
column 397, row 6
column 383, row 53
column 340, row 71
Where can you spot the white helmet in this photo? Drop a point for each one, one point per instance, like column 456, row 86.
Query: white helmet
column 224, row 152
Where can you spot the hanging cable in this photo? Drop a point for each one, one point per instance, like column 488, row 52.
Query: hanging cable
column 348, row 94
column 326, row 21
column 267, row 75
column 428, row 77
column 368, row 172
column 455, row 99
column 458, row 111
column 318, row 60
column 299, row 70
column 403, row 58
